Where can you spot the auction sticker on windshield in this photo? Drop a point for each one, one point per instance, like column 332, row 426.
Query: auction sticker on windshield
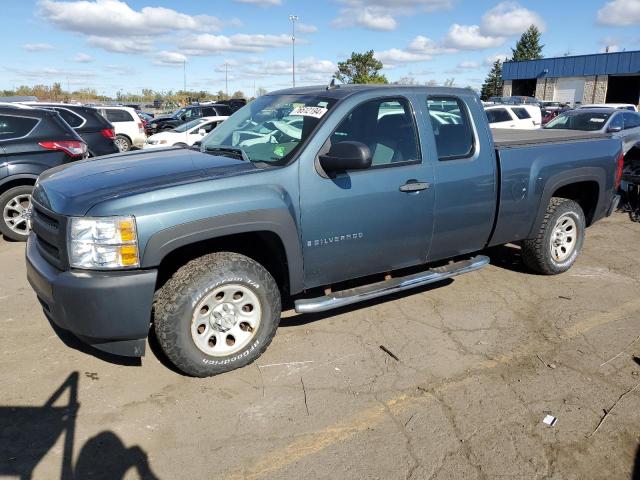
column 315, row 112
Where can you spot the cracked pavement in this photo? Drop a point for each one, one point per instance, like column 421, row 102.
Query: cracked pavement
column 482, row 359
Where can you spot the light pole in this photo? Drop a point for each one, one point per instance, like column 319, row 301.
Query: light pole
column 226, row 79
column 294, row 19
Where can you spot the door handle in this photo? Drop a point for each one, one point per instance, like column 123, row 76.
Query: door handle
column 414, row 186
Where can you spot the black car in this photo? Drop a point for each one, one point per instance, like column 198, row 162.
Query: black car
column 186, row 114
column 31, row 141
column 94, row 129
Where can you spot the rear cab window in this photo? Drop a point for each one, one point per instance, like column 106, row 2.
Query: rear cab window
column 454, row 140
column 16, row 127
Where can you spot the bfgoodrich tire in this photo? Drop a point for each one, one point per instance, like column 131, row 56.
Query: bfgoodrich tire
column 217, row 313
column 13, row 208
column 559, row 238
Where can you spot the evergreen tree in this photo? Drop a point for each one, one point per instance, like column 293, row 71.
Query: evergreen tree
column 528, row 47
column 492, row 86
column 360, row 68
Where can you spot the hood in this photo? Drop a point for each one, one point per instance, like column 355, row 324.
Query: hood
column 73, row 189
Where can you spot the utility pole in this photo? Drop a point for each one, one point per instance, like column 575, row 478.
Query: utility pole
column 294, row 19
column 226, row 79
column 184, row 72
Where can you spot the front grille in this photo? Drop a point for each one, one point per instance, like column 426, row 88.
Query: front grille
column 50, row 233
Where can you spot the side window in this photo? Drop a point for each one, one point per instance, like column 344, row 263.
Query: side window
column 616, row 121
column 190, row 114
column 452, row 140
column 386, row 126
column 631, row 120
column 71, row 118
column 496, row 115
column 521, row 113
column 114, row 115
column 15, row 127
column 209, row 126
column 208, row 112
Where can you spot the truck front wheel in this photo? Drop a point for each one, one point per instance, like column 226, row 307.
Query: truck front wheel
column 217, row 313
column 559, row 238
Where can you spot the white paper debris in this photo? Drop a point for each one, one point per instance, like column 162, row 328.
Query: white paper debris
column 550, row 420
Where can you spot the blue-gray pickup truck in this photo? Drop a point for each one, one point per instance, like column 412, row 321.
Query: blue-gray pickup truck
column 323, row 196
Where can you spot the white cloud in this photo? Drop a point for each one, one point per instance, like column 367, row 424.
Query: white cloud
column 37, row 47
column 381, row 14
column 206, row 43
column 121, row 70
column 468, row 64
column 125, row 44
column 313, row 65
column 114, row 18
column 509, row 18
column 262, row 3
column 170, row 59
column 395, row 56
column 51, row 74
column 425, row 45
column 309, row 68
column 469, row 37
column 306, row 28
column 82, row 58
column 620, row 13
column 491, row 59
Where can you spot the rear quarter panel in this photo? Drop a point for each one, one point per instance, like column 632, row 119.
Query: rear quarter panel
column 531, row 174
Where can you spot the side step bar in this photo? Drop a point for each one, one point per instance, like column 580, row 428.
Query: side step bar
column 386, row 287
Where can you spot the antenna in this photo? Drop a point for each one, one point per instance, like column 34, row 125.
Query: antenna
column 332, row 84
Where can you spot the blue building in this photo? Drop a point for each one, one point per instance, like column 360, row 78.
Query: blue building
column 598, row 78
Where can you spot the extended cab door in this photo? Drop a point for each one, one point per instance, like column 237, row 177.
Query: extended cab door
column 464, row 175
column 362, row 222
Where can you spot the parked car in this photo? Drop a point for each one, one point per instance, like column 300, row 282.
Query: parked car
column 523, row 117
column 185, row 135
column 31, row 141
column 95, row 131
column 187, row 114
column 234, row 103
column 520, row 100
column 206, row 243
column 128, row 126
column 618, row 106
column 548, row 115
column 622, row 124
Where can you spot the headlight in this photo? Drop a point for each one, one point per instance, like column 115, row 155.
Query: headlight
column 103, row 242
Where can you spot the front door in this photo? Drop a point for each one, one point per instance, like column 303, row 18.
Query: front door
column 363, row 222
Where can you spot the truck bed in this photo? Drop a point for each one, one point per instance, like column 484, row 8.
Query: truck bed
column 507, row 138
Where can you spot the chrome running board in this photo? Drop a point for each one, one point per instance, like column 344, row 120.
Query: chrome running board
column 386, row 287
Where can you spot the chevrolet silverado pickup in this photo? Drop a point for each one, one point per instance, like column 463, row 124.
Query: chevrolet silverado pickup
column 319, row 196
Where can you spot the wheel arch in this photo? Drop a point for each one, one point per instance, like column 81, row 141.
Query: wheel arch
column 17, row 180
column 586, row 185
column 268, row 236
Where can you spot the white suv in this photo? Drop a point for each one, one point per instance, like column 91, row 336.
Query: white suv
column 128, row 127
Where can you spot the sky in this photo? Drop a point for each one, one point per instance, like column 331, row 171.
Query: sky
column 128, row 45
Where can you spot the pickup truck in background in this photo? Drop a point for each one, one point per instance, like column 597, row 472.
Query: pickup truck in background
column 327, row 196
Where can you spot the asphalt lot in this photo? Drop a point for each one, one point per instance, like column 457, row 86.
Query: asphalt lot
column 481, row 360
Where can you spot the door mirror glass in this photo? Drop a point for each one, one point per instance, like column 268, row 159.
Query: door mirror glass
column 614, row 129
column 348, row 155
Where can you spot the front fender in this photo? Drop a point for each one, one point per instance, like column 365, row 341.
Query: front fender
column 278, row 221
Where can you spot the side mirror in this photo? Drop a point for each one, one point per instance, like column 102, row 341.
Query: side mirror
column 202, row 132
column 614, row 129
column 346, row 156
column 197, row 145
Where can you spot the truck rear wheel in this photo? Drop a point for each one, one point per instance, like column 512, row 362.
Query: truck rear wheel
column 559, row 239
column 217, row 313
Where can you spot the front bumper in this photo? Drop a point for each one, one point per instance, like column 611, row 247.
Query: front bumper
column 110, row 311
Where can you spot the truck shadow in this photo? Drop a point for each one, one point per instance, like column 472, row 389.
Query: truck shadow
column 28, row 433
column 507, row 257
column 635, row 475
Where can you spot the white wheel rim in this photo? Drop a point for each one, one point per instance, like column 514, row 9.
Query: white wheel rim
column 122, row 145
column 563, row 238
column 16, row 214
column 226, row 320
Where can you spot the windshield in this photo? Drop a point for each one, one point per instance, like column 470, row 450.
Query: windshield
column 586, row 121
column 178, row 113
column 186, row 126
column 270, row 129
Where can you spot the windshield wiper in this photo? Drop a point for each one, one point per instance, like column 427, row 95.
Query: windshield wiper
column 233, row 152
